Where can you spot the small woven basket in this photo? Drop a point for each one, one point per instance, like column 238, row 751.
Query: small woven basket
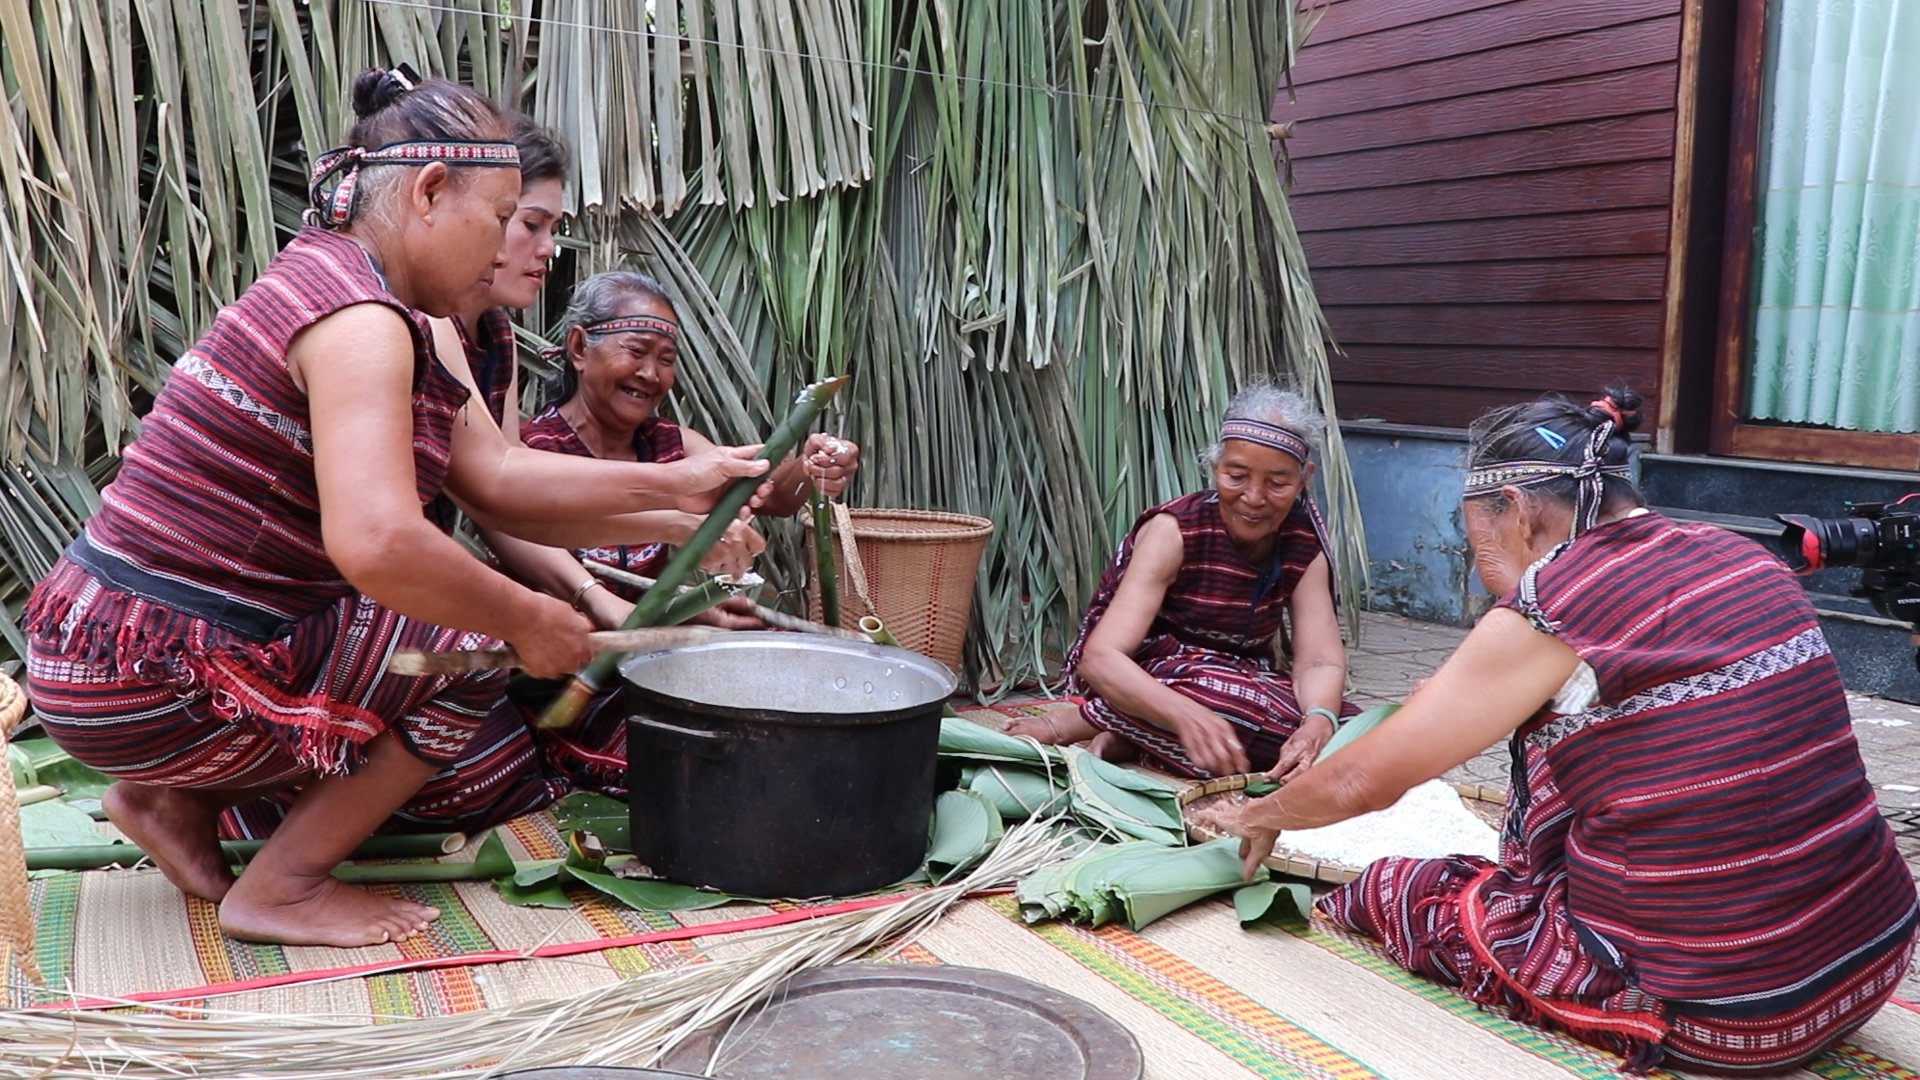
column 1484, row 802
column 16, row 914
column 912, row 569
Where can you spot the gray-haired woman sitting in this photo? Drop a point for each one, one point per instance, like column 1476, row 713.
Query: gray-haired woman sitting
column 1176, row 655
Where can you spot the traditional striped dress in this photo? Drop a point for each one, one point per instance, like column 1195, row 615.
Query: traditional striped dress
column 1213, row 637
column 196, row 633
column 656, row 440
column 512, row 767
column 1693, row 869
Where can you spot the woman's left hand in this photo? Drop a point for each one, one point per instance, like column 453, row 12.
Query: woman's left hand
column 830, row 463
column 1301, row 749
column 733, row 613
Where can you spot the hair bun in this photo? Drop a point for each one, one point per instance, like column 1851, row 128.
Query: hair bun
column 1622, row 406
column 376, row 88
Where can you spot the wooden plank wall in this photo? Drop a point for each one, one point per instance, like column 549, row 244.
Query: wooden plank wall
column 1483, row 190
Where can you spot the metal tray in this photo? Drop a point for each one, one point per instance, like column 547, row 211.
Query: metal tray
column 909, row 1022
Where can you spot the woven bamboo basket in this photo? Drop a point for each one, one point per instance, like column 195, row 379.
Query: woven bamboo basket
column 1485, row 802
column 912, row 569
column 16, row 915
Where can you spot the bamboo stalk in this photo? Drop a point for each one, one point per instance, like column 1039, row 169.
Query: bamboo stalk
column 823, row 561
column 38, row 793
column 778, row 619
column 607, row 642
column 101, row 856
column 595, row 676
column 691, row 602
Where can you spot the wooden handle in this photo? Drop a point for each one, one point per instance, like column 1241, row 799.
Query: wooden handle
column 455, row 661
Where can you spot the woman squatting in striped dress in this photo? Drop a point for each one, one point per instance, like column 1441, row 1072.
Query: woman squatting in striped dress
column 221, row 628
column 1693, row 870
column 1176, row 655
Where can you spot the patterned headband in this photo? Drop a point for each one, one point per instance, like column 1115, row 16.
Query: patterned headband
column 636, row 324
column 335, row 187
column 1591, row 475
column 1268, row 435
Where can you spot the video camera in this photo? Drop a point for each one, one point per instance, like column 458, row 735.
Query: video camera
column 1882, row 539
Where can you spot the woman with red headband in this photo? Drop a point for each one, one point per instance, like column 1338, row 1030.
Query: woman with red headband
column 1693, row 872
column 220, row 629
column 1176, row 654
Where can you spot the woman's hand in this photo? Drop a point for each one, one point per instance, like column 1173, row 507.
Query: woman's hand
column 1237, row 819
column 1211, row 742
column 733, row 613
column 733, row 554
column 706, row 476
column 551, row 639
column 1302, row 748
column 830, row 463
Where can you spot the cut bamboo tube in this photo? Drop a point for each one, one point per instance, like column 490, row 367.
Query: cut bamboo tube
column 828, row 578
column 606, row 642
column 596, row 676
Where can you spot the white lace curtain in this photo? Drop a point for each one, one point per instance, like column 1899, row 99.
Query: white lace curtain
column 1836, row 333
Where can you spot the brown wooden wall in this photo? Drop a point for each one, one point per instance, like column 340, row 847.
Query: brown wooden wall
column 1483, row 189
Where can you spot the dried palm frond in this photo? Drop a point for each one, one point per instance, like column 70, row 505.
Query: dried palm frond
column 635, row 1021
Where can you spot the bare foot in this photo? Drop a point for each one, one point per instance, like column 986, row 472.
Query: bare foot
column 1110, row 747
column 323, row 911
column 175, row 827
column 1060, row 725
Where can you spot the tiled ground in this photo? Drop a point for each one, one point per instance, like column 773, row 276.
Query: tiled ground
column 1394, row 652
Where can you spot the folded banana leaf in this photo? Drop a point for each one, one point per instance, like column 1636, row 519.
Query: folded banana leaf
column 1122, row 800
column 1273, row 901
column 1018, row 793
column 966, row 739
column 1136, row 882
column 965, row 827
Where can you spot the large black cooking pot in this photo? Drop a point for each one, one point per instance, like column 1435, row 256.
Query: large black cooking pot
column 772, row 765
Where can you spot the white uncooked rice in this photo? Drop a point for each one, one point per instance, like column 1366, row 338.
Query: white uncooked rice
column 1428, row 822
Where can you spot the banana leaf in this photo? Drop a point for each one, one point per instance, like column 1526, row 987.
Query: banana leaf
column 965, row 828
column 54, row 766
column 1018, row 793
column 21, row 765
column 1273, row 901
column 1136, row 882
column 1357, row 727
column 964, row 738
column 602, row 815
column 54, row 824
column 1124, row 801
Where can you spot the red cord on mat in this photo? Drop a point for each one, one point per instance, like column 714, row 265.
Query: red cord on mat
column 496, row 956
column 1905, row 1004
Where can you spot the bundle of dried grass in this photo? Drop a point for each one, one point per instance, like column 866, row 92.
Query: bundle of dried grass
column 634, row 1022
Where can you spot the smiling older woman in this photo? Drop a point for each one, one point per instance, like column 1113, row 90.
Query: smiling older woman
column 1176, row 653
column 1693, row 869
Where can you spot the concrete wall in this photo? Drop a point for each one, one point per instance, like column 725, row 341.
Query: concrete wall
column 1409, row 480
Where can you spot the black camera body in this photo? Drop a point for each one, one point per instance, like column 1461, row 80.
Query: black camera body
column 1882, row 539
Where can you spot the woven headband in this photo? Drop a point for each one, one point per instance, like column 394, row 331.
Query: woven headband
column 1268, row 435
column 1591, row 475
column 636, row 324
column 335, row 187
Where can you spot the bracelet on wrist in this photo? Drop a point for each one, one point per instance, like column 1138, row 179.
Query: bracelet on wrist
column 581, row 592
column 1333, row 718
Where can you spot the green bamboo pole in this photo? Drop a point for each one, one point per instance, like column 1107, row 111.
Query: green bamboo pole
column 101, row 856
column 421, row 873
column 778, row 619
column 823, row 561
column 596, row 676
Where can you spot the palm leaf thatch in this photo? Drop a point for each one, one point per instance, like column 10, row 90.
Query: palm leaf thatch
column 1045, row 239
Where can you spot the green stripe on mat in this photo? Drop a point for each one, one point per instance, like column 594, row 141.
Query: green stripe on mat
column 1843, row 1062
column 54, row 926
column 1284, row 1050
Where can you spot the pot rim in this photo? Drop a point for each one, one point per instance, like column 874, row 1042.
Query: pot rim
column 783, row 641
